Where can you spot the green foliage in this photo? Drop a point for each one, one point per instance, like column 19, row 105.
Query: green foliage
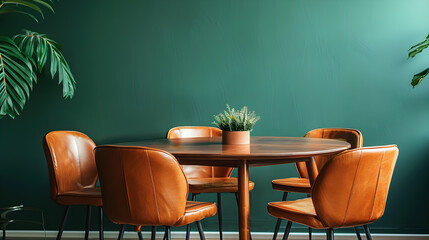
column 233, row 120
column 419, row 77
column 25, row 54
column 16, row 78
column 39, row 46
column 15, row 6
column 412, row 52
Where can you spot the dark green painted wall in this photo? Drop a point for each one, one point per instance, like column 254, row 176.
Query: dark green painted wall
column 143, row 67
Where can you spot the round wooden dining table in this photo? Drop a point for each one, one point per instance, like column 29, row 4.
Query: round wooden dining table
column 262, row 151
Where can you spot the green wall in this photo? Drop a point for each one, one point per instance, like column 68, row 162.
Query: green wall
column 143, row 67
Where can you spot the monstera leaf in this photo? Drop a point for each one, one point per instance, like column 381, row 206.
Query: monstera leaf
column 37, row 47
column 16, row 78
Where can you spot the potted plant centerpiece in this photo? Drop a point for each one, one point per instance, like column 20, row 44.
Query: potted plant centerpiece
column 236, row 125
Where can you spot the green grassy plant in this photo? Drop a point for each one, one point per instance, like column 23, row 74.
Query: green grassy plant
column 234, row 120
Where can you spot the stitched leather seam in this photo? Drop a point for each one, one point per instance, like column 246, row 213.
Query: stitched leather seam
column 153, row 187
column 52, row 156
column 279, row 208
column 78, row 160
column 199, row 209
column 180, row 219
column 351, row 190
column 126, row 188
column 376, row 186
column 192, row 211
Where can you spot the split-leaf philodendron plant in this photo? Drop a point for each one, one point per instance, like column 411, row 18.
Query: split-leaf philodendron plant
column 23, row 55
column 412, row 52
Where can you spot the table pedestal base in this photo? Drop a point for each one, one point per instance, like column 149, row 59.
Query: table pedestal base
column 243, row 201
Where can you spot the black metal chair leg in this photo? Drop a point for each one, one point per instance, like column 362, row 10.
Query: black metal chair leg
column 153, row 235
column 168, row 233
column 188, row 231
column 63, row 222
column 367, row 233
column 219, row 212
column 121, row 232
column 100, row 232
column 287, row 230
column 165, row 234
column 200, row 230
column 357, row 233
column 276, row 229
column 88, row 221
column 279, row 220
column 284, row 196
column 330, row 234
column 140, row 235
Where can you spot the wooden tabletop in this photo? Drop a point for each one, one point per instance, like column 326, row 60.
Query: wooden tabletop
column 260, row 151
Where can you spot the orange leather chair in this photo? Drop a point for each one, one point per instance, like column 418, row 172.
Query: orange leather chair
column 146, row 186
column 302, row 184
column 207, row 179
column 72, row 173
column 350, row 191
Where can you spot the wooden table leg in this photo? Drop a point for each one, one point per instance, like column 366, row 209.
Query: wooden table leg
column 312, row 170
column 243, row 199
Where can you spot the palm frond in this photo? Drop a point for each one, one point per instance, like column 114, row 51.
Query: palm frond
column 13, row 6
column 4, row 11
column 37, row 47
column 16, row 78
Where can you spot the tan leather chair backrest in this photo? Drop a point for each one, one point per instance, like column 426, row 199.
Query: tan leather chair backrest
column 141, row 186
column 352, row 136
column 352, row 187
column 192, row 171
column 70, row 161
column 193, row 132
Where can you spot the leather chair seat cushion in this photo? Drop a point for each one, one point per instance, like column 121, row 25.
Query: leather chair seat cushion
column 299, row 211
column 196, row 211
column 215, row 185
column 299, row 185
column 84, row 196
